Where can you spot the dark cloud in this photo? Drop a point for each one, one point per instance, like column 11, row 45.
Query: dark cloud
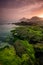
column 14, row 3
column 17, row 3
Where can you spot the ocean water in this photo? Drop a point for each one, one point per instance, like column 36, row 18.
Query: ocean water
column 5, row 30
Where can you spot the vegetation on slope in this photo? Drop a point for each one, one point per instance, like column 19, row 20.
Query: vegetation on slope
column 23, row 47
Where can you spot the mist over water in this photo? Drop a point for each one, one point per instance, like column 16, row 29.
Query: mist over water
column 5, row 30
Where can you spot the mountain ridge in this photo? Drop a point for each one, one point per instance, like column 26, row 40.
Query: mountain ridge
column 32, row 21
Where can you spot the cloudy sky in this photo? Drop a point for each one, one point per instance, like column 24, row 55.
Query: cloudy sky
column 16, row 9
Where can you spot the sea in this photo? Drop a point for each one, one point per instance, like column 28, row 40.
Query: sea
column 5, row 30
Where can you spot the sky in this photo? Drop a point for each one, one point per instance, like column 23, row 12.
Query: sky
column 16, row 9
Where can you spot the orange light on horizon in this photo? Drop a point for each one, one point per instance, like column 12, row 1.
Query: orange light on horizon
column 41, row 16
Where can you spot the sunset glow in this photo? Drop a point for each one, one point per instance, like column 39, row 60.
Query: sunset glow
column 41, row 16
column 16, row 9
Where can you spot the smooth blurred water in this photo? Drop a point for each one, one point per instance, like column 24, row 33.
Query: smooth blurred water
column 5, row 29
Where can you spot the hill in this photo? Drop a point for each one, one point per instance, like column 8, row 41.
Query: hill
column 32, row 21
